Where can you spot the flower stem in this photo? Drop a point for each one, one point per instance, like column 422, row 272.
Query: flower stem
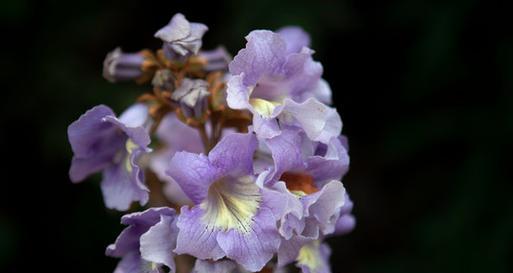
column 204, row 137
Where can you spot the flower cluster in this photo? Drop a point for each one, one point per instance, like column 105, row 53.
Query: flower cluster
column 239, row 160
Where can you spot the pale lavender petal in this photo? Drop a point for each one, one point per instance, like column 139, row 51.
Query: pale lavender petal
column 287, row 208
column 83, row 132
column 221, row 266
column 121, row 66
column 234, row 154
column 136, row 115
column 348, row 205
column 139, row 135
column 217, row 59
column 158, row 243
column 94, row 142
column 324, row 206
column 194, row 173
column 329, row 165
column 265, row 127
column 264, row 55
column 237, row 93
column 295, row 37
column 320, row 122
column 178, row 28
column 127, row 242
column 81, row 168
column 120, row 189
column 130, row 263
column 347, row 221
column 289, row 249
column 139, row 223
column 159, row 163
column 179, row 136
column 345, row 224
column 195, row 237
column 286, row 153
column 302, row 73
column 345, row 141
column 318, row 258
column 253, row 249
column 322, row 92
column 148, row 217
column 181, row 36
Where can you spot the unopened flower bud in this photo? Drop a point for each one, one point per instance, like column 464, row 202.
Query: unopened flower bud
column 181, row 37
column 192, row 95
column 163, row 79
column 217, row 59
column 121, row 66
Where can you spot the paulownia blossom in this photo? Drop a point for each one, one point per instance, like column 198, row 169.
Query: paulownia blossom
column 246, row 160
column 103, row 142
column 232, row 216
column 282, row 86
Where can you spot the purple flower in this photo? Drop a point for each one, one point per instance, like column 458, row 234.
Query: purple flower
column 217, row 59
column 314, row 258
column 232, row 217
column 176, row 136
column 181, row 37
column 147, row 243
column 121, row 66
column 346, row 222
column 276, row 84
column 306, row 174
column 295, row 38
column 102, row 142
column 192, row 95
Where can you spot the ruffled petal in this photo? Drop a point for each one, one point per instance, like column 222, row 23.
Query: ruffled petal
column 289, row 249
column 130, row 263
column 238, row 93
column 233, row 155
column 195, row 237
column 314, row 258
column 286, row 153
column 158, row 243
column 320, row 122
column 255, row 248
column 331, row 165
column 178, row 28
column 287, row 208
column 120, row 189
column 264, row 55
column 265, row 127
column 139, row 223
column 194, row 173
column 302, row 74
column 295, row 38
column 324, row 206
column 84, row 132
column 94, row 142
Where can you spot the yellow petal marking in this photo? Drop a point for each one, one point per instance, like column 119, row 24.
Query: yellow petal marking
column 130, row 146
column 263, row 107
column 232, row 204
column 309, row 256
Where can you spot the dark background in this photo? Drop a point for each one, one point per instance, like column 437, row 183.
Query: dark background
column 424, row 89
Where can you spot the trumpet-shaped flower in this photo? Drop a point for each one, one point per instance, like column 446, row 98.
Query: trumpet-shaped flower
column 232, row 216
column 102, row 142
column 281, row 86
column 147, row 243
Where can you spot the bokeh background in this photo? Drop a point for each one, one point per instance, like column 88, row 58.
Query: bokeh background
column 425, row 90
